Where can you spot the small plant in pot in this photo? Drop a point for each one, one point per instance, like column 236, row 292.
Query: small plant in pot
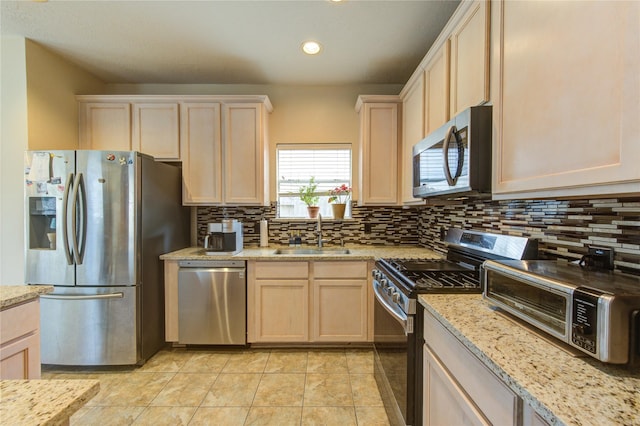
column 309, row 197
column 339, row 196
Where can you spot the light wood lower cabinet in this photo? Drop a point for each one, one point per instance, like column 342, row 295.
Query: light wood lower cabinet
column 171, row 300
column 321, row 301
column 477, row 396
column 20, row 344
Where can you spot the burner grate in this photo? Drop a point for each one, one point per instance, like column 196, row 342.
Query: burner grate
column 435, row 275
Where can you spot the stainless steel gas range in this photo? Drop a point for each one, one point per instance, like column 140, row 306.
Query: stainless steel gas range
column 398, row 332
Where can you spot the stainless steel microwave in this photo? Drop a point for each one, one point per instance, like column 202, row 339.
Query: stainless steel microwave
column 597, row 313
column 455, row 158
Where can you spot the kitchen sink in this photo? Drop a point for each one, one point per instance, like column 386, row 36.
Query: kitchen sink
column 312, row 250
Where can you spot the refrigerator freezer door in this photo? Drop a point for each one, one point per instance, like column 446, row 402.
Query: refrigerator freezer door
column 107, row 234
column 48, row 180
column 89, row 326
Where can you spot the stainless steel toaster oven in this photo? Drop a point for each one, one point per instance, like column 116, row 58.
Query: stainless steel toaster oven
column 596, row 312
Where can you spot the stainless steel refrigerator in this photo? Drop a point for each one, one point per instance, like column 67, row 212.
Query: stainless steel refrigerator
column 96, row 222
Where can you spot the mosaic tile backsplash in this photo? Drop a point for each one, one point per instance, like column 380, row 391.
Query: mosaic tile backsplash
column 564, row 229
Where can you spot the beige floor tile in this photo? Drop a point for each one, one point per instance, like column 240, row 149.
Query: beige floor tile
column 167, row 361
column 232, row 390
column 108, row 416
column 220, row 416
column 287, row 362
column 280, row 390
column 327, row 390
column 138, row 389
column 359, row 361
column 275, row 416
column 365, row 391
column 206, row 362
column 247, row 362
column 371, row 416
column 185, row 389
column 169, row 416
column 343, row 416
column 333, row 362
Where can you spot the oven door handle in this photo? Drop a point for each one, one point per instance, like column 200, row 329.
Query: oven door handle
column 401, row 317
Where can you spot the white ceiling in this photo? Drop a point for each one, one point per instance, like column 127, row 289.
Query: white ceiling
column 234, row 42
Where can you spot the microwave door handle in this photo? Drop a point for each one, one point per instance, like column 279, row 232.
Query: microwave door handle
column 451, row 180
column 65, row 211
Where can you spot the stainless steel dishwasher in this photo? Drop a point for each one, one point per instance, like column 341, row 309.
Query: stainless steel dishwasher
column 212, row 302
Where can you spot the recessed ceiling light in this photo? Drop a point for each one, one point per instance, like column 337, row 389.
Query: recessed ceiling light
column 311, row 47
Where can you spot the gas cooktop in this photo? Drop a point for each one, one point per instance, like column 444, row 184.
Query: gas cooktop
column 433, row 275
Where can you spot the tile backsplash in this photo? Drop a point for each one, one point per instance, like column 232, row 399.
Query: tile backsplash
column 563, row 228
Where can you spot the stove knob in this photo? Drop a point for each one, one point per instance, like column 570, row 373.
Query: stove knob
column 390, row 291
column 376, row 274
column 384, row 283
column 395, row 297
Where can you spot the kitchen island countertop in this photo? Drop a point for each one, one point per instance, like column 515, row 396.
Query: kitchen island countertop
column 560, row 387
column 43, row 402
column 11, row 295
column 356, row 252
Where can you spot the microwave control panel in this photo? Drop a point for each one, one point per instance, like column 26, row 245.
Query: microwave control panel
column 584, row 319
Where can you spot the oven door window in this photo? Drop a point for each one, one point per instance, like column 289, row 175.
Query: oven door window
column 430, row 165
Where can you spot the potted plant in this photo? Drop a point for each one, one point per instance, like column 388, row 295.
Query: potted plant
column 339, row 196
column 309, row 197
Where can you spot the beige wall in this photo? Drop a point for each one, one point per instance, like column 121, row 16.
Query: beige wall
column 52, row 106
column 301, row 114
column 39, row 111
column 13, row 142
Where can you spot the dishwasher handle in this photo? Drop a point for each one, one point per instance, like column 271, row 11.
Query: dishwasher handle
column 212, row 264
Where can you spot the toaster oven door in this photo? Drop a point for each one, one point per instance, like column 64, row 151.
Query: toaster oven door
column 541, row 306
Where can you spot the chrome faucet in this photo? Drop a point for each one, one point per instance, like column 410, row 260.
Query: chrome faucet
column 319, row 230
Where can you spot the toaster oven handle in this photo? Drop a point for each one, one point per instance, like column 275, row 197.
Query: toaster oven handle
column 451, row 180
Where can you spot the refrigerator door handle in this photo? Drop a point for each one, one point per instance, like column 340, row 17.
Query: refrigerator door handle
column 79, row 197
column 83, row 297
column 65, row 232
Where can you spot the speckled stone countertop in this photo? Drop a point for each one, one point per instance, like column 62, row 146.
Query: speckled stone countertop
column 561, row 388
column 361, row 252
column 43, row 402
column 11, row 295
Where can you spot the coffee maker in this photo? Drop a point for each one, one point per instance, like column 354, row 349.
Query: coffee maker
column 224, row 238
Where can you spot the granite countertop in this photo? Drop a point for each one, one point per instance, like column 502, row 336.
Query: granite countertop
column 561, row 388
column 356, row 252
column 43, row 402
column 11, row 295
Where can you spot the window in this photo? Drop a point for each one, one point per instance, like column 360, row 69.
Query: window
column 328, row 164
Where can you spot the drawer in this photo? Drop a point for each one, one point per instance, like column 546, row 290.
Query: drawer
column 496, row 401
column 281, row 270
column 340, row 269
column 20, row 320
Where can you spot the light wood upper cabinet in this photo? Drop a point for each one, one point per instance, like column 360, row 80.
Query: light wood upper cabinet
column 246, row 154
column 156, row 129
column 412, row 132
column 566, row 107
column 436, row 89
column 200, row 129
column 469, row 75
column 380, row 118
column 105, row 125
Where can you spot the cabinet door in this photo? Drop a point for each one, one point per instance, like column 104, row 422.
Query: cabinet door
column 245, row 151
column 445, row 403
column 379, row 154
column 20, row 342
column 201, row 153
column 280, row 311
column 105, row 126
column 339, row 310
column 156, row 130
column 470, row 59
column 436, row 87
column 412, row 132
column 566, row 110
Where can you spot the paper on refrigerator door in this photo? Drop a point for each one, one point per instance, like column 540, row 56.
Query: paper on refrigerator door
column 40, row 170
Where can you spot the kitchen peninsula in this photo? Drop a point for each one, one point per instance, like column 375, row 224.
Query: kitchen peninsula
column 556, row 387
